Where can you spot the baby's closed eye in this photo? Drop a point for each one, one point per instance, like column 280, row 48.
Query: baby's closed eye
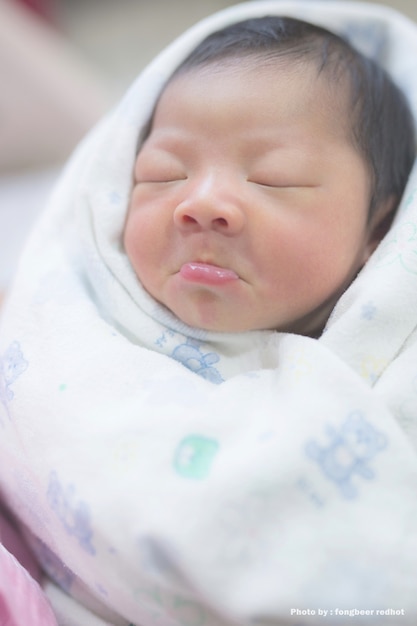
column 158, row 167
column 279, row 181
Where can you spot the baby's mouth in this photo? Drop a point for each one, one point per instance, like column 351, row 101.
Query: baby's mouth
column 207, row 273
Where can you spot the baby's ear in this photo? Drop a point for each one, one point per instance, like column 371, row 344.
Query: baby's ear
column 380, row 223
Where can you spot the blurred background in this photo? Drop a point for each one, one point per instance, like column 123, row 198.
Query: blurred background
column 63, row 63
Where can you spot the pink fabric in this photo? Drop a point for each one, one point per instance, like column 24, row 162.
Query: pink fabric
column 22, row 601
column 13, row 541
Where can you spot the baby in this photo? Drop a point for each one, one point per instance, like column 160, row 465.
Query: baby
column 275, row 160
column 171, row 458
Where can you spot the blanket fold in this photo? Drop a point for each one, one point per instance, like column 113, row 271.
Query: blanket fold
column 168, row 476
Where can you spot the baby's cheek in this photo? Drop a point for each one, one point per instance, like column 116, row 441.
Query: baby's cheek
column 141, row 252
column 132, row 242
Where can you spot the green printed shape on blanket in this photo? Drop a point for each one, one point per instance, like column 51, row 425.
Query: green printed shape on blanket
column 194, row 456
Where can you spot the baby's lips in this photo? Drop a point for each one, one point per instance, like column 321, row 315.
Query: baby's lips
column 207, row 273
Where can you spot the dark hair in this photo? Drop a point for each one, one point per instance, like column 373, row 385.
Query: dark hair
column 382, row 123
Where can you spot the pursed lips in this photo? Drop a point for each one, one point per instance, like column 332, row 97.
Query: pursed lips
column 209, row 273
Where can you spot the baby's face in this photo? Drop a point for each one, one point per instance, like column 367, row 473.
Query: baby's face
column 249, row 208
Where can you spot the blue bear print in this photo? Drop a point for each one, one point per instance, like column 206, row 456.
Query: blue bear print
column 190, row 355
column 12, row 365
column 74, row 516
column 348, row 453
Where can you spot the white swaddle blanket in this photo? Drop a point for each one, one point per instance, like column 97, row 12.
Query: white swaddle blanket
column 173, row 477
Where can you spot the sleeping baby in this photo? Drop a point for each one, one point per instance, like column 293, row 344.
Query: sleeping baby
column 207, row 375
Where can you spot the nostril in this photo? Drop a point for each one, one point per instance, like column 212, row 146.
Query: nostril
column 221, row 221
column 187, row 219
column 206, row 216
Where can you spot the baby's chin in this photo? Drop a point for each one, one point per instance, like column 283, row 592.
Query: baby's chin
column 207, row 311
column 310, row 328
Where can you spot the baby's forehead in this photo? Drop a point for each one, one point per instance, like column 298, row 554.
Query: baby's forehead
column 276, row 79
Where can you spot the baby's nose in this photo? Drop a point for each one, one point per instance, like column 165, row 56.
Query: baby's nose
column 210, row 206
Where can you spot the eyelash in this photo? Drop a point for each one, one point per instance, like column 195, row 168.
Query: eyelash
column 160, row 179
column 165, row 181
column 158, row 176
column 275, row 185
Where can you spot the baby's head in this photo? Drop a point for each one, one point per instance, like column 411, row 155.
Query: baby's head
column 272, row 167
